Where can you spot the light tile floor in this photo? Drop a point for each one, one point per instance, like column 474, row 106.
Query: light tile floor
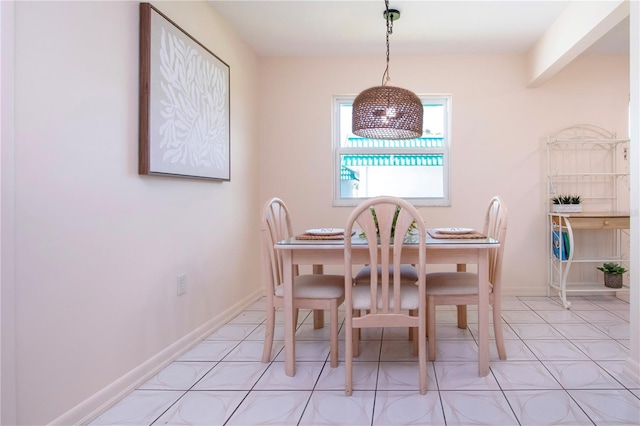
column 564, row 367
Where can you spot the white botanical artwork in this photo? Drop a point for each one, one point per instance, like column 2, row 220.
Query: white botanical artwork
column 189, row 106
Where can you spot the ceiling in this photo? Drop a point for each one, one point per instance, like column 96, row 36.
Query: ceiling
column 320, row 28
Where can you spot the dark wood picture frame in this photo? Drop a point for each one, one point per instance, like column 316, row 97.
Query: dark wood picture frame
column 184, row 121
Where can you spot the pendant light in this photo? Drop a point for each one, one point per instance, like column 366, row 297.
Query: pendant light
column 387, row 112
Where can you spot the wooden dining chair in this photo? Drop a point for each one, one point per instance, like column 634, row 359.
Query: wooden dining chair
column 461, row 288
column 312, row 291
column 384, row 301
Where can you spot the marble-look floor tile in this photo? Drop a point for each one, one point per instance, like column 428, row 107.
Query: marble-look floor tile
column 369, row 351
column 209, row 350
column 452, row 332
column 407, row 408
column 536, row 331
column 274, row 378
column 251, row 350
column 593, row 316
column 278, row 408
column 259, row 332
column 548, row 407
column 178, row 376
column 617, row 370
column 522, row 375
column 577, row 303
column 462, row 376
column 507, row 332
column 232, row 376
column 522, row 317
column 334, row 408
column 140, row 407
column 555, row 350
column 603, row 350
column 615, row 329
column 609, row 407
column 580, row 331
column 309, row 351
column 365, row 376
column 249, row 317
column 516, row 351
column 541, row 304
column 514, row 304
column 403, row 376
column 233, row 332
column 561, row 317
column 456, row 350
column 477, row 408
column 397, row 351
column 581, row 375
column 202, row 408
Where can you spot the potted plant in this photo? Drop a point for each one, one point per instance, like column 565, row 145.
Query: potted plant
column 412, row 228
column 612, row 274
column 567, row 204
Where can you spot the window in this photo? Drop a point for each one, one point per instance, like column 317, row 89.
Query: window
column 415, row 169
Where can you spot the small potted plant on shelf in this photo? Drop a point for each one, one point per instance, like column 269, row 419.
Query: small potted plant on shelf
column 612, row 274
column 567, row 204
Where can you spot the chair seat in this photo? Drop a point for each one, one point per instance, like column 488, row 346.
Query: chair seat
column 452, row 283
column 316, row 286
column 408, row 274
column 409, row 298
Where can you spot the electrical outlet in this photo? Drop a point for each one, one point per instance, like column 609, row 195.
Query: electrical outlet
column 182, row 284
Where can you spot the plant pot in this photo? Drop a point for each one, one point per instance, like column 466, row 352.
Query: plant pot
column 567, row 208
column 613, row 280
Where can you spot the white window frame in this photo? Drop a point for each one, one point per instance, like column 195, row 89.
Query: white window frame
column 445, row 200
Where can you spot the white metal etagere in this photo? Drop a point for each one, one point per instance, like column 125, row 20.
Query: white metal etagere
column 591, row 162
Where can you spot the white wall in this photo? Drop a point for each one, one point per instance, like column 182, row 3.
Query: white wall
column 498, row 136
column 98, row 247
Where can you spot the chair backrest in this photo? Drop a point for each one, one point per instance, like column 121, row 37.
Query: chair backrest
column 495, row 226
column 276, row 226
column 385, row 221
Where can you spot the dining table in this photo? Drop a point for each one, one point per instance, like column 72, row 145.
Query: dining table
column 441, row 249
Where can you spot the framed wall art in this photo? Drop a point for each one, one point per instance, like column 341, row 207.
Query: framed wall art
column 184, row 103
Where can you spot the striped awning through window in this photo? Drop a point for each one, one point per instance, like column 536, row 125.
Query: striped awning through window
column 392, row 160
column 347, row 174
column 423, row 142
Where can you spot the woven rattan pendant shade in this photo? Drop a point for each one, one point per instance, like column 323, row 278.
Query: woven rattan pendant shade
column 387, row 112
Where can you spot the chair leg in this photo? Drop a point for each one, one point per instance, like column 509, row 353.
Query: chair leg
column 497, row 330
column 268, row 334
column 318, row 318
column 415, row 339
column 422, row 358
column 348, row 357
column 333, row 312
column 411, row 334
column 462, row 316
column 295, row 319
column 431, row 326
column 355, row 341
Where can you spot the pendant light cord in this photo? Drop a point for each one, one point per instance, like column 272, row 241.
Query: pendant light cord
column 386, row 77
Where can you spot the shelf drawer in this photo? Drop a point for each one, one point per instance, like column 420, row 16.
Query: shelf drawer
column 600, row 222
column 618, row 222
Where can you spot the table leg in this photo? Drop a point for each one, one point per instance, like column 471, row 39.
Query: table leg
column 462, row 309
column 483, row 313
column 318, row 314
column 289, row 327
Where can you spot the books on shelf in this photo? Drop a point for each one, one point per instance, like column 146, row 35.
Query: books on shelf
column 560, row 245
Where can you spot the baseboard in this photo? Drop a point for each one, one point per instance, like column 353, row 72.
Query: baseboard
column 95, row 405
